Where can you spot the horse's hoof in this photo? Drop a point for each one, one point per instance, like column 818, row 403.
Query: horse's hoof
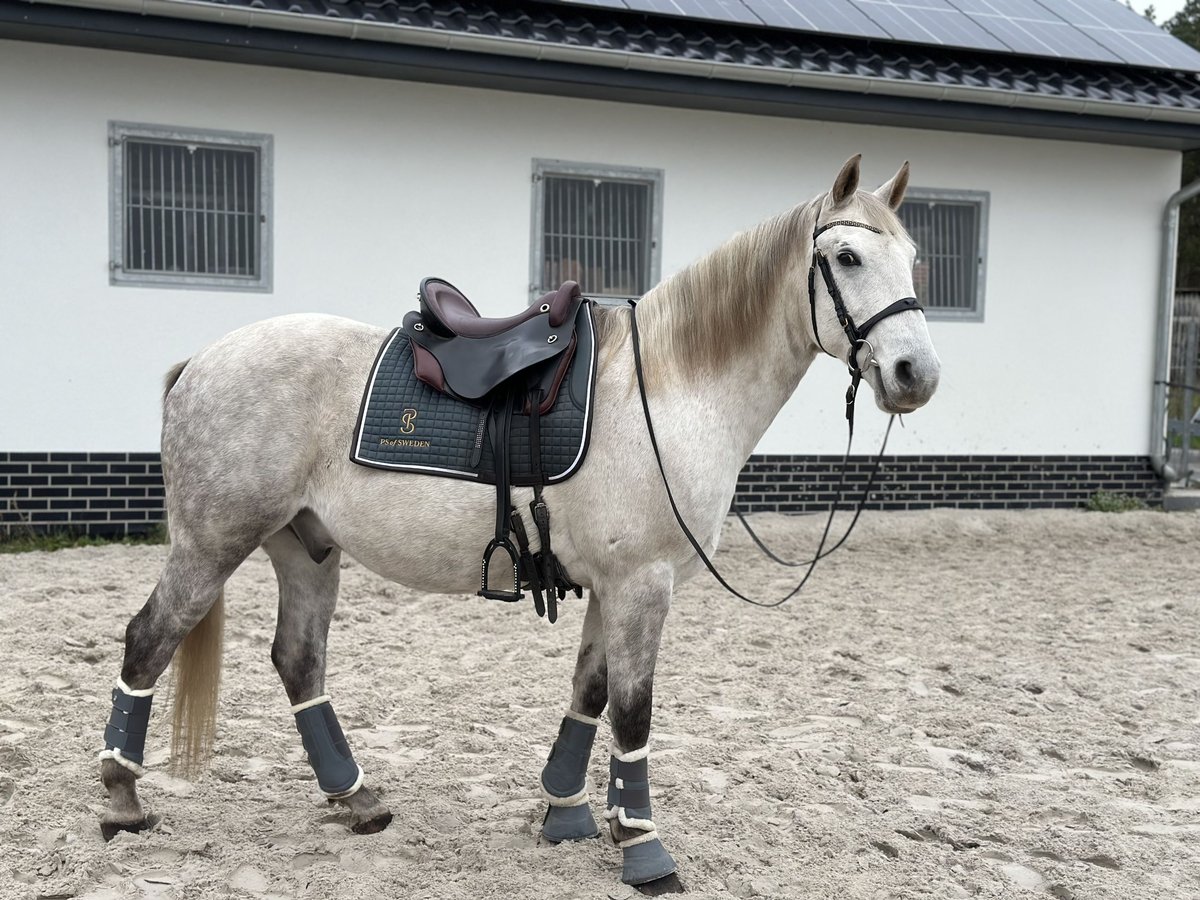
column 669, row 884
column 373, row 825
column 109, row 830
column 647, row 863
column 569, row 823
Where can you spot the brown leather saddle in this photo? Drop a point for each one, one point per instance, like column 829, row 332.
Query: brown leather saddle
column 461, row 353
column 504, row 366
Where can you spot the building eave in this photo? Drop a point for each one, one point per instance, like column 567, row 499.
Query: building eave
column 375, row 49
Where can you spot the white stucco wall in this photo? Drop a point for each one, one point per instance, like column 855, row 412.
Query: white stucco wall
column 378, row 183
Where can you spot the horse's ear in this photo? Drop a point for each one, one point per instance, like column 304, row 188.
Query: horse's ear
column 846, row 182
column 892, row 192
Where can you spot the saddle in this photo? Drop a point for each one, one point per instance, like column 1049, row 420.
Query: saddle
column 505, row 401
column 461, row 353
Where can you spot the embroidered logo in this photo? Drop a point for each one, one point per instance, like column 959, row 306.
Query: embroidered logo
column 408, row 421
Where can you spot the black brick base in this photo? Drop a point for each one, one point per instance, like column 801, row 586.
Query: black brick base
column 801, row 484
column 119, row 494
column 101, row 494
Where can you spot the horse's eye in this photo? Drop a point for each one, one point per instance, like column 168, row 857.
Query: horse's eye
column 846, row 258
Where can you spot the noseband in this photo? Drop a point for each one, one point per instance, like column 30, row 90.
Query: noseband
column 856, row 334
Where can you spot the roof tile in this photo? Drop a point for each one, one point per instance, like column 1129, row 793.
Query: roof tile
column 720, row 43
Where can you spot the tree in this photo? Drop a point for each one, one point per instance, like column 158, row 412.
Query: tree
column 1185, row 25
column 1150, row 12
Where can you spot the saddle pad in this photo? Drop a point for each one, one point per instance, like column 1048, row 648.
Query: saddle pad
column 407, row 426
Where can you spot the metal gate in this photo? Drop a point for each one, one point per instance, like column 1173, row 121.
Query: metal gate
column 1183, row 388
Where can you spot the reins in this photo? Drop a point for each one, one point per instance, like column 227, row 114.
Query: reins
column 857, row 512
column 857, row 335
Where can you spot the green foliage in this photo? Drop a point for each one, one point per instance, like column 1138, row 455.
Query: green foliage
column 1185, row 25
column 1187, row 271
column 29, row 541
column 1111, row 501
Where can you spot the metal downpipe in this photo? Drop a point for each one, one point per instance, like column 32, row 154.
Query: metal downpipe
column 1162, row 343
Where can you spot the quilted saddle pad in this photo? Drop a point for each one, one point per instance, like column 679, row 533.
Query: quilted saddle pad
column 407, row 426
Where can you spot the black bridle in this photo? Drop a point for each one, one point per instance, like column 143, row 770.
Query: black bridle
column 857, row 335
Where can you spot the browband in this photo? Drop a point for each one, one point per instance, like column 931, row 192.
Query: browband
column 824, row 228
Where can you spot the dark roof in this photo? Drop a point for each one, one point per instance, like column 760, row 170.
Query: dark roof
column 575, row 50
column 669, row 37
column 1095, row 30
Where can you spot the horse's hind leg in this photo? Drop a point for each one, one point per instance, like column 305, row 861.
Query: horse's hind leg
column 186, row 602
column 307, row 597
column 564, row 778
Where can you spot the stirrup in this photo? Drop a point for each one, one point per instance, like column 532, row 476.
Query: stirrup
column 507, row 596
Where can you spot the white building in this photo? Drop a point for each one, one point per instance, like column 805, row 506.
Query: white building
column 178, row 168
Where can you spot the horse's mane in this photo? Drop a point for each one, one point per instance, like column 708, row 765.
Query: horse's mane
column 714, row 310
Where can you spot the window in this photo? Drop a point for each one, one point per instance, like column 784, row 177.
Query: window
column 950, row 230
column 190, row 209
column 598, row 225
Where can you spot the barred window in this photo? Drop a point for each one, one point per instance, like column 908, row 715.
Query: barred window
column 190, row 208
column 950, row 230
column 598, row 225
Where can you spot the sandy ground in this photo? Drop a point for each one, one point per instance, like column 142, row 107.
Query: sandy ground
column 961, row 705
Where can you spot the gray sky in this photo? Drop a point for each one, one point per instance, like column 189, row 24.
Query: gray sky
column 1163, row 9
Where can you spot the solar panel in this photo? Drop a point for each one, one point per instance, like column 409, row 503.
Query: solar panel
column 1086, row 30
column 1110, row 15
column 1025, row 9
column 1143, row 49
column 811, row 15
column 606, row 4
column 1046, row 38
column 926, row 23
column 736, row 8
column 719, row 10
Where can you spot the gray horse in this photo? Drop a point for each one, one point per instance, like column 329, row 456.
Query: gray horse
column 255, row 435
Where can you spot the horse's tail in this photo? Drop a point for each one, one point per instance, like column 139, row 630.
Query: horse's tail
column 197, row 666
column 172, row 376
column 197, row 669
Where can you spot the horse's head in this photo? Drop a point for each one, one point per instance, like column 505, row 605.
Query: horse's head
column 861, row 293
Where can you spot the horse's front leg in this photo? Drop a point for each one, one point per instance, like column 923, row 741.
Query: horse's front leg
column 634, row 613
column 564, row 778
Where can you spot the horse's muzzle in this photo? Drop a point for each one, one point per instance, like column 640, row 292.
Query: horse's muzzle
column 907, row 383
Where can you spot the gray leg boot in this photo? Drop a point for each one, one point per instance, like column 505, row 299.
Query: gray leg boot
column 564, row 781
column 645, row 858
column 125, row 734
column 122, row 758
column 338, row 775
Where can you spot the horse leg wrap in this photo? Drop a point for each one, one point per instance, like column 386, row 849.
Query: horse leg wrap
column 564, row 781
column 645, row 858
column 338, row 775
column 125, row 734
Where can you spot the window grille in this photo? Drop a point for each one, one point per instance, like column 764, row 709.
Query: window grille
column 190, row 209
column 598, row 226
column 949, row 228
